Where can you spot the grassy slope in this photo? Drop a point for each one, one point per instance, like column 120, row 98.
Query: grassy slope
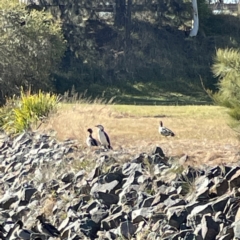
column 201, row 131
column 163, row 67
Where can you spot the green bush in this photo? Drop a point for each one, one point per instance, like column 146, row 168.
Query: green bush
column 227, row 68
column 31, row 46
column 20, row 113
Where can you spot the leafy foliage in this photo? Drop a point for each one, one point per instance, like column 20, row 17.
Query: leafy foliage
column 160, row 51
column 227, row 67
column 31, row 46
column 174, row 12
column 19, row 113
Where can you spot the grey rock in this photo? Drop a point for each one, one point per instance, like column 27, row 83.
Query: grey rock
column 220, row 217
column 158, row 159
column 148, row 201
column 129, row 198
column 185, row 234
column 220, row 187
column 227, row 232
column 64, row 224
column 210, row 228
column 92, row 205
column 79, row 175
column 97, row 215
column 234, row 181
column 156, row 217
column 220, row 203
column 192, row 174
column 231, row 172
column 174, row 200
column 167, row 231
column 115, row 200
column 195, row 217
column 103, row 235
column 191, row 205
column 97, row 171
column 127, row 229
column 63, row 189
column 53, row 185
column 89, row 228
column 27, row 193
column 231, row 209
column 225, row 237
column 176, row 216
column 129, row 168
column 140, row 214
column 215, row 172
column 152, row 236
column 106, row 198
column 141, row 197
column 159, row 198
column 112, row 176
column 113, row 221
column 202, row 194
column 159, row 151
column 9, row 178
column 68, row 177
column 7, row 200
column 115, row 209
column 109, row 187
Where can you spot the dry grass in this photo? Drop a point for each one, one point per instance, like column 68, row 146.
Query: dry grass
column 201, row 131
column 48, row 206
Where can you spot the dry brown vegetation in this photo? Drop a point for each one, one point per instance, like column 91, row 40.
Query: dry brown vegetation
column 202, row 132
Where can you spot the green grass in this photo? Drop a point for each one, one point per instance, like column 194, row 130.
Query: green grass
column 200, row 112
column 142, row 93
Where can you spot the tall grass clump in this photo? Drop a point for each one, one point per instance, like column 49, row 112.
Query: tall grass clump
column 72, row 96
column 19, row 113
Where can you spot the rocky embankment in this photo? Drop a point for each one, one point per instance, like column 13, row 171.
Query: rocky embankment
column 148, row 196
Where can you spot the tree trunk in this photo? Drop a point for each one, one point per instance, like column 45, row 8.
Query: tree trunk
column 128, row 24
column 120, row 10
column 239, row 8
column 195, row 25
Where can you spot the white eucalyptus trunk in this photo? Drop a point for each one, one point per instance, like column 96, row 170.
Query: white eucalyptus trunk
column 195, row 24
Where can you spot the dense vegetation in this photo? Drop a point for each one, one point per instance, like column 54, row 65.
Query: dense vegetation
column 139, row 50
column 28, row 110
column 31, row 46
column 227, row 67
column 158, row 60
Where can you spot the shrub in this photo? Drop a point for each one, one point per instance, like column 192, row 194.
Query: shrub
column 31, row 46
column 20, row 113
column 227, row 68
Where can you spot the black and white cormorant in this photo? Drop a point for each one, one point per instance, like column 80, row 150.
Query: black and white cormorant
column 165, row 131
column 103, row 137
column 91, row 142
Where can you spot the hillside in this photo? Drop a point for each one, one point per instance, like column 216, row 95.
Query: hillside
column 137, row 52
column 162, row 65
column 140, row 52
